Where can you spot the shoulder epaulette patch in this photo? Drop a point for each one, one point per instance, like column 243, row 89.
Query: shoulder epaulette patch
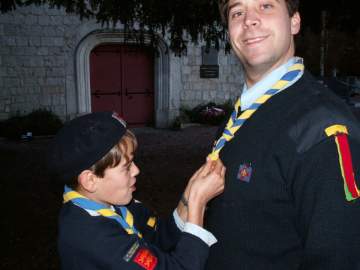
column 340, row 133
column 151, row 222
column 145, row 259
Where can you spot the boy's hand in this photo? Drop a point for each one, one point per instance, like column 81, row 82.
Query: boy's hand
column 207, row 182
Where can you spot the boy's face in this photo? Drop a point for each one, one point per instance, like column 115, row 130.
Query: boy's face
column 118, row 183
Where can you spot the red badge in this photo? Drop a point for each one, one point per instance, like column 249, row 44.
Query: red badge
column 145, row 259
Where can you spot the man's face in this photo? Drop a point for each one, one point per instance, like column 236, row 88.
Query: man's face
column 261, row 33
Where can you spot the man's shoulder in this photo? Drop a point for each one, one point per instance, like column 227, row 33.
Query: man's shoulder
column 317, row 109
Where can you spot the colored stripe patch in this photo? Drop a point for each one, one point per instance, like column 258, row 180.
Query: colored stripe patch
column 347, row 171
column 340, row 133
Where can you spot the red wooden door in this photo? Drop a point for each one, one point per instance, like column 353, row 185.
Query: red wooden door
column 122, row 80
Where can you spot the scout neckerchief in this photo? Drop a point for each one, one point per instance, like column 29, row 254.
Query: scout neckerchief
column 235, row 121
column 126, row 220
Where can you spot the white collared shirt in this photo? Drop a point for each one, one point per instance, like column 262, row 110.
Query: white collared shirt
column 193, row 229
column 250, row 95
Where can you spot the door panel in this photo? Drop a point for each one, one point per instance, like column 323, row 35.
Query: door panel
column 122, row 79
column 105, row 79
column 138, row 84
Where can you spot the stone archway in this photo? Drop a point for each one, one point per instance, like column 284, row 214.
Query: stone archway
column 161, row 73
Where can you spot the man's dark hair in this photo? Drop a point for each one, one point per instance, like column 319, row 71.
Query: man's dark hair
column 292, row 6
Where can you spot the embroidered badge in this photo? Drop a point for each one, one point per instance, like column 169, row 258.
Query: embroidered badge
column 145, row 259
column 244, row 173
column 116, row 116
column 131, row 251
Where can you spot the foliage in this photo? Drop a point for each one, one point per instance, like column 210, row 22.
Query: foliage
column 184, row 21
column 39, row 122
column 181, row 20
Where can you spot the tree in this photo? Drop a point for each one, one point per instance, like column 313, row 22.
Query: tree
column 184, row 21
column 181, row 20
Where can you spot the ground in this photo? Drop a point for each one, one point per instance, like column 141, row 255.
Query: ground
column 31, row 200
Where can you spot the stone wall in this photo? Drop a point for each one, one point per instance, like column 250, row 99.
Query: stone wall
column 36, row 52
column 198, row 90
column 37, row 66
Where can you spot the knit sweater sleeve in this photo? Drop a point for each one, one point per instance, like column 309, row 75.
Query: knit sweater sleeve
column 327, row 223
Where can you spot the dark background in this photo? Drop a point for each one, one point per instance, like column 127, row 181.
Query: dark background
column 31, row 200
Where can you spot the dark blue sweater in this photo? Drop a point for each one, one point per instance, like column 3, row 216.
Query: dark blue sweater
column 284, row 205
column 88, row 242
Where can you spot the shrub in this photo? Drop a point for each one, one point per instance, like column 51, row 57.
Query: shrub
column 39, row 122
column 210, row 113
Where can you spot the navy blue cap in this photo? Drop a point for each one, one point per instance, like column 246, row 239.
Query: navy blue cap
column 82, row 142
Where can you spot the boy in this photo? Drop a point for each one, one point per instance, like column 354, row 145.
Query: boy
column 100, row 226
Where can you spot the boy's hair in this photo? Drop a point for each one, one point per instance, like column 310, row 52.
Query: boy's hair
column 116, row 154
column 292, row 6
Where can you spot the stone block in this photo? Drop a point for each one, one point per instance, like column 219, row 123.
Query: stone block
column 34, row 100
column 19, row 99
column 30, row 82
column 192, row 60
column 51, row 72
column 198, row 95
column 45, row 100
column 8, row 41
column 42, row 51
column 11, row 60
column 186, row 70
column 18, row 50
column 36, row 61
column 4, row 50
column 34, row 41
column 19, row 18
column 11, row 82
column 54, row 81
column 31, row 19
column 34, row 90
column 36, row 31
column 12, row 71
column 56, row 20
column 71, row 20
column 189, row 95
column 44, row 20
column 47, row 41
column 7, row 18
column 185, row 60
column 56, row 51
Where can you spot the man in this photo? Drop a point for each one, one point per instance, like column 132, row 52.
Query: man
column 292, row 153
